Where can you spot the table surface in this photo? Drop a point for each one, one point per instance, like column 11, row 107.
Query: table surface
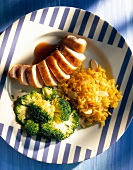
column 120, row 15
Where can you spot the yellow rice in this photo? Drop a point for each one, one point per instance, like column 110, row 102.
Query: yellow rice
column 92, row 93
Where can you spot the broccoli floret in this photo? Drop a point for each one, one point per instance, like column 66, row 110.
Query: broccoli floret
column 58, row 129
column 62, row 107
column 21, row 112
column 31, row 127
column 49, row 93
column 30, row 98
column 42, row 110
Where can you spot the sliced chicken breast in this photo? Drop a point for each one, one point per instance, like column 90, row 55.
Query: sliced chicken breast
column 33, row 76
column 13, row 71
column 47, row 76
column 21, row 76
column 76, row 44
column 56, row 70
column 63, row 63
column 76, row 59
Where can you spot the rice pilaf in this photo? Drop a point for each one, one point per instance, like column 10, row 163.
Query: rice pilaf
column 92, row 93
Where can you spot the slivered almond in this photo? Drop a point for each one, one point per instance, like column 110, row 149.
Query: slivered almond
column 94, row 65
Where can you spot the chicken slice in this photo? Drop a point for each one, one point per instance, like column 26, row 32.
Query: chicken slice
column 56, row 70
column 13, row 71
column 47, row 76
column 76, row 44
column 21, row 76
column 76, row 59
column 63, row 63
column 33, row 76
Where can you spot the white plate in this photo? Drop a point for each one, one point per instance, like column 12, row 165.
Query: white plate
column 106, row 46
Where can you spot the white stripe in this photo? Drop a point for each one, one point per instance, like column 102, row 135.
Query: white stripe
column 98, row 29
column 41, row 149
column 69, row 19
column 78, row 23
column 38, row 16
column 116, row 40
column 4, row 132
column 51, row 152
column 49, row 16
column 88, row 25
column 71, row 154
column 61, row 152
column 59, row 17
column 82, row 154
column 8, row 47
column 31, row 147
column 2, row 37
column 107, row 34
column 22, row 142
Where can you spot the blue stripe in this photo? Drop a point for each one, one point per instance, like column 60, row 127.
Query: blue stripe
column 124, row 67
column 66, row 153
column 18, row 138
column 121, row 42
column 84, row 22
column 130, row 116
column 4, row 42
column 122, row 108
column 1, row 128
column 33, row 16
column 74, row 20
column 27, row 144
column 10, row 55
column 63, row 20
column 93, row 27
column 43, row 17
column 103, row 31
column 87, row 154
column 77, row 153
column 119, row 81
column 112, row 36
column 53, row 18
column 9, row 133
column 46, row 150
column 56, row 152
column 36, row 147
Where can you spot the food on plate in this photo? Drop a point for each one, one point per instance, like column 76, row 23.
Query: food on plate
column 81, row 94
column 33, row 77
column 46, row 74
column 56, row 67
column 92, row 93
column 74, row 58
column 56, row 70
column 47, row 114
column 76, row 44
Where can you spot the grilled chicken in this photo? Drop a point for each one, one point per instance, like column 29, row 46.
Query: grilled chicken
column 21, row 76
column 76, row 59
column 76, row 44
column 33, row 76
column 63, row 63
column 47, row 76
column 56, row 70
column 13, row 71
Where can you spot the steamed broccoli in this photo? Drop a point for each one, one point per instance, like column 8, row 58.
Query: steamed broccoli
column 31, row 127
column 21, row 112
column 49, row 92
column 30, row 98
column 58, row 129
column 42, row 110
column 62, row 107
